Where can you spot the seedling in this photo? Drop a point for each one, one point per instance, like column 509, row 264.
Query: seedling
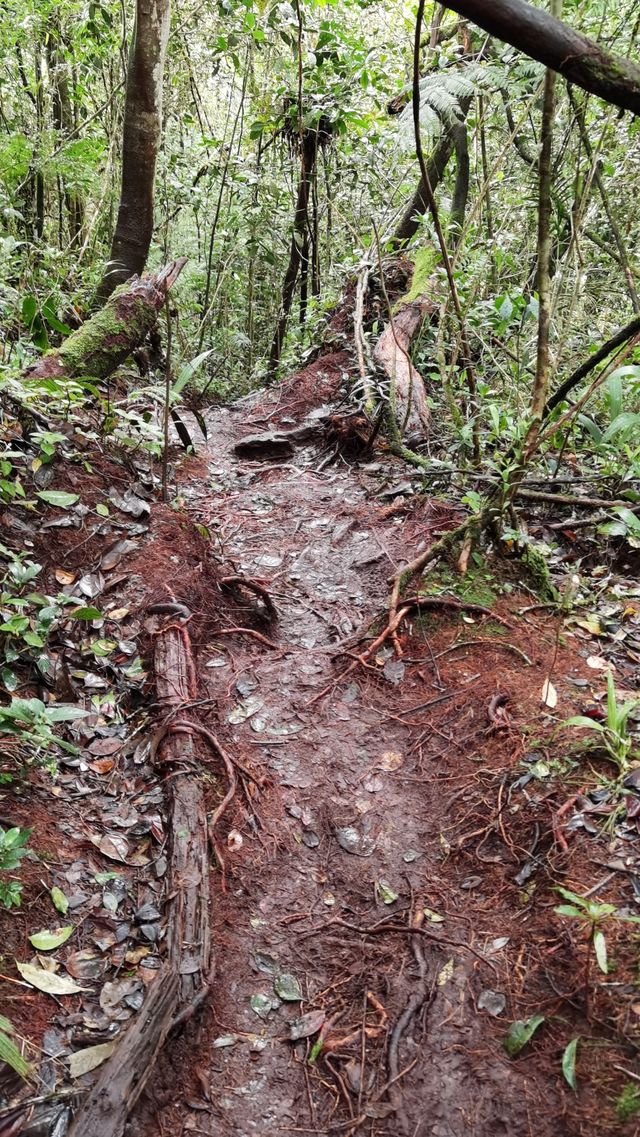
column 591, row 916
column 12, row 849
column 613, row 735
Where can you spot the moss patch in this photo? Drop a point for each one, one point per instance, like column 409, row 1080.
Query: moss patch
column 423, row 266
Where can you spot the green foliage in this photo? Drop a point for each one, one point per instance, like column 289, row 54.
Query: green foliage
column 613, row 735
column 9, row 1052
column 13, row 844
column 591, row 916
column 628, row 1103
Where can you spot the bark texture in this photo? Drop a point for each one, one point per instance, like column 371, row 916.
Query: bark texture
column 141, row 139
column 105, row 341
column 392, row 354
column 183, row 982
column 560, row 47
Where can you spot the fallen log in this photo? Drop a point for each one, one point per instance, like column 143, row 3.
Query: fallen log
column 391, row 353
column 106, row 339
column 184, row 980
column 106, row 1108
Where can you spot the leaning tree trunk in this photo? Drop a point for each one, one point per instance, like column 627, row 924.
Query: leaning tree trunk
column 561, row 48
column 105, row 341
column 140, row 142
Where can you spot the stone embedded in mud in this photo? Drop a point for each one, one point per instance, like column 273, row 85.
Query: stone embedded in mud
column 494, row 1002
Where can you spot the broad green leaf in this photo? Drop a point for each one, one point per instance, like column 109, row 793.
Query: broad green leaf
column 569, row 910
column 47, row 981
column 600, row 948
column 58, row 497
column 49, row 941
column 520, row 1033
column 10, row 1054
column 188, row 371
column 59, row 900
column 85, row 614
column 622, row 424
column 569, row 1063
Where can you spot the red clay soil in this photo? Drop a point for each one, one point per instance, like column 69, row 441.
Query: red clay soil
column 367, row 808
column 389, row 870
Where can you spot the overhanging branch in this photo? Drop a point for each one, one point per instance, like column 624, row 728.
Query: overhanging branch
column 560, row 47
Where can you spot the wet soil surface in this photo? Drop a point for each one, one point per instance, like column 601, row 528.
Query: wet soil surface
column 382, row 885
column 382, row 868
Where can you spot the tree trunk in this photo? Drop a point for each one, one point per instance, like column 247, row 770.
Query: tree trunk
column 561, row 48
column 105, row 341
column 308, row 158
column 62, row 112
column 140, row 143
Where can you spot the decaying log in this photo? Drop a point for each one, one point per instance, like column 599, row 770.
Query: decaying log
column 188, row 936
column 185, row 976
column 392, row 354
column 106, row 1108
column 109, row 336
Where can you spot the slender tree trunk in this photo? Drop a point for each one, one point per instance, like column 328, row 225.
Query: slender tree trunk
column 140, row 144
column 62, row 110
column 543, row 356
column 411, row 220
column 308, row 158
column 461, row 188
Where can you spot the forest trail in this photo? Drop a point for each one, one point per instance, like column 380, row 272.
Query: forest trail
column 368, row 809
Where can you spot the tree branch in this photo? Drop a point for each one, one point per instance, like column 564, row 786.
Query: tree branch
column 559, row 47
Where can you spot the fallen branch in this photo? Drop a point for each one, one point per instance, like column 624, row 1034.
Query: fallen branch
column 571, row 499
column 559, row 46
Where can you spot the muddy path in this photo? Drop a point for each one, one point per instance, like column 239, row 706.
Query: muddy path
column 375, row 860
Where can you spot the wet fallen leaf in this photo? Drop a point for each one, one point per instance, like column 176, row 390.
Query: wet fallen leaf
column 287, row 988
column 225, row 1040
column 591, row 624
column 101, row 765
column 520, row 1033
column 306, row 1025
column 90, row 1058
column 445, row 974
column 64, row 577
column 85, row 964
column 494, row 1002
column 48, row 982
column 114, row 555
column 262, row 1005
column 48, row 941
column 598, row 663
column 549, row 694
column 433, row 917
column 386, row 893
column 59, row 900
column 391, row 760
column 244, row 710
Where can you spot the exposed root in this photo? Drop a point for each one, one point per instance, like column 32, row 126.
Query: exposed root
column 246, row 632
column 235, row 582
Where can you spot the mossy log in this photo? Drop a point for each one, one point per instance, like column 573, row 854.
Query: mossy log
column 109, row 336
